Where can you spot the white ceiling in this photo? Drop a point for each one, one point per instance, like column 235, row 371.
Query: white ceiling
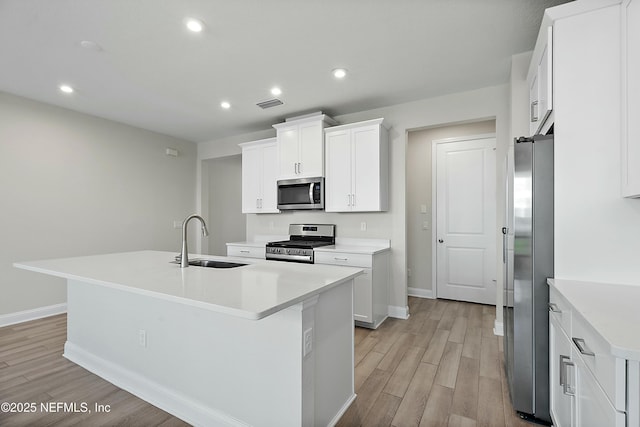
column 152, row 73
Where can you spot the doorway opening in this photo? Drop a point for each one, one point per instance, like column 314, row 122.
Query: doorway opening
column 421, row 202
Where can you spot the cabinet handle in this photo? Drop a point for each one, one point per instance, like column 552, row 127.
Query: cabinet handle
column 341, row 259
column 353, row 200
column 299, row 167
column 562, row 370
column 349, row 197
column 553, row 307
column 567, row 388
column 534, row 107
column 244, row 252
column 582, row 348
column 257, row 203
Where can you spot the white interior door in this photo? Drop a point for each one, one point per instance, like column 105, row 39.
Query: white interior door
column 465, row 220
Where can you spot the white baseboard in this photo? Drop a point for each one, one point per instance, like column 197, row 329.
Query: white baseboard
column 33, row 314
column 420, row 293
column 498, row 328
column 340, row 413
column 399, row 312
column 168, row 400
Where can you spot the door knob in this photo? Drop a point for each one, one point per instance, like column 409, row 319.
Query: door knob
column 440, row 241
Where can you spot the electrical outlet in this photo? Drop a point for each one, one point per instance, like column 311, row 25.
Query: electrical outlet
column 177, row 224
column 425, row 225
column 142, row 338
column 363, row 226
column 308, row 342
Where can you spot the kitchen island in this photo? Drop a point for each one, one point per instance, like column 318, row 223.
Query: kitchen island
column 265, row 344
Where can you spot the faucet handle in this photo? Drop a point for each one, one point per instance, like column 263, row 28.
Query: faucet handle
column 178, row 258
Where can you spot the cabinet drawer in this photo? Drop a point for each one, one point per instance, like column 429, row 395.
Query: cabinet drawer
column 593, row 407
column 609, row 371
column 560, row 309
column 342, row 258
column 246, row 251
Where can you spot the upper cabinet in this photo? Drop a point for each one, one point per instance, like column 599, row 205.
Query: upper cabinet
column 301, row 146
column 630, row 98
column 259, row 176
column 357, row 170
column 540, row 80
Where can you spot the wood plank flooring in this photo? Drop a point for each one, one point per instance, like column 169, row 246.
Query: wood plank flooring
column 442, row 367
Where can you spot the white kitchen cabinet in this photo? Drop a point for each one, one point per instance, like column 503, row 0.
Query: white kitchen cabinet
column 589, row 384
column 259, row 176
column 561, row 366
column 561, row 394
column 357, row 170
column 370, row 290
column 540, row 80
column 301, row 146
column 593, row 409
column 246, row 250
column 630, row 98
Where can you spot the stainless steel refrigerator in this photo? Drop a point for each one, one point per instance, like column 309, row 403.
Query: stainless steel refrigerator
column 526, row 339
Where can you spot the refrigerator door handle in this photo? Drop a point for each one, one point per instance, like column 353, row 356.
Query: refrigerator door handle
column 505, row 242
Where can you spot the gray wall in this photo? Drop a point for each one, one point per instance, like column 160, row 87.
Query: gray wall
column 225, row 221
column 73, row 184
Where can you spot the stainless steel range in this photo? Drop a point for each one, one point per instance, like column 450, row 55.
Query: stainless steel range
column 302, row 239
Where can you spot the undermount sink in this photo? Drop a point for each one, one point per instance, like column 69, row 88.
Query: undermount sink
column 210, row 263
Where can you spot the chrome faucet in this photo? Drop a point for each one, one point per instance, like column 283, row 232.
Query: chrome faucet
column 184, row 256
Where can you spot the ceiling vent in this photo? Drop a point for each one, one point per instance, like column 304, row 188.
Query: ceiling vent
column 273, row 102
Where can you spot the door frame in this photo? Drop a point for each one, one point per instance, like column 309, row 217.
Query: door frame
column 434, row 198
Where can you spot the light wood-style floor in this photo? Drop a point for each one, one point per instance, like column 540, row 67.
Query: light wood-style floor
column 442, row 367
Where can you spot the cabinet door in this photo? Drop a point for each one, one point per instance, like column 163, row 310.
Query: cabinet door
column 338, row 177
column 363, row 297
column 545, row 82
column 593, row 409
column 365, row 172
column 630, row 98
column 534, row 118
column 561, row 404
column 251, row 179
column 311, row 150
column 288, row 152
column 269, row 202
column 541, row 85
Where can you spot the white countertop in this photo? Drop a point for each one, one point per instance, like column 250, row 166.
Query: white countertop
column 253, row 291
column 612, row 310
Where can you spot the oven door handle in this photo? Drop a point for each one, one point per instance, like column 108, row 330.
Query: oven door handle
column 311, row 193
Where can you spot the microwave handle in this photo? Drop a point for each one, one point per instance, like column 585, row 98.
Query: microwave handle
column 311, row 193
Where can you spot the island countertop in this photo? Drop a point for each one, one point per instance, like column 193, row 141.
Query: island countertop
column 253, row 291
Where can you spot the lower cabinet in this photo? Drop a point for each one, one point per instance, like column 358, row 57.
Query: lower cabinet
column 561, row 392
column 587, row 384
column 370, row 290
column 245, row 251
column 593, row 408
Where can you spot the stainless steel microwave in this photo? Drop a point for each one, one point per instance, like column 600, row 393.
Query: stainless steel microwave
column 301, row 193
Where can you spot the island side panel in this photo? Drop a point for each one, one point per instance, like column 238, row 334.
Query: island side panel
column 334, row 354
column 205, row 367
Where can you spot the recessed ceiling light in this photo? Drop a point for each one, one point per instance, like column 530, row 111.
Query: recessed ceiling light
column 225, row 105
column 66, row 88
column 90, row 45
column 276, row 91
column 339, row 73
column 194, row 25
